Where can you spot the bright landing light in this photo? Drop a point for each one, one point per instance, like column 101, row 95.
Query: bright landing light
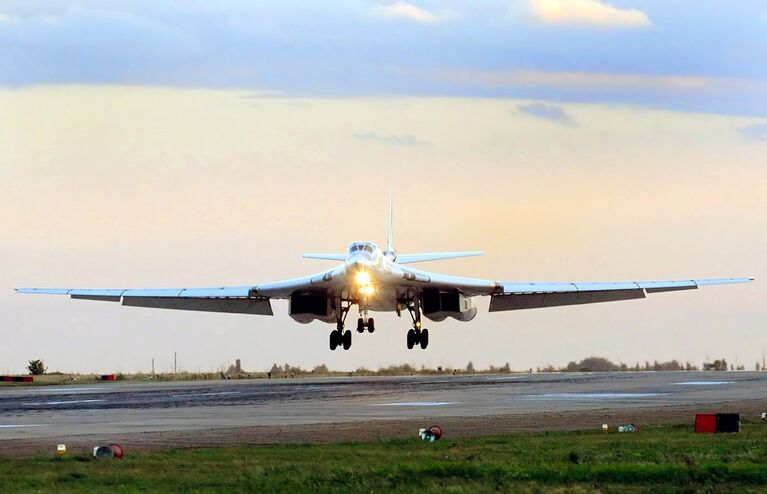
column 362, row 278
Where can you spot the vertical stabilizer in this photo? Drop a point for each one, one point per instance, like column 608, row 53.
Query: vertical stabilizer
column 389, row 251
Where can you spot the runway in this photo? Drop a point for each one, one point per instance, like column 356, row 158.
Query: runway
column 117, row 409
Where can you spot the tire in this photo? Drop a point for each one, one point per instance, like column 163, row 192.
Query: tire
column 333, row 340
column 371, row 325
column 360, row 325
column 424, row 339
column 347, row 340
column 410, row 339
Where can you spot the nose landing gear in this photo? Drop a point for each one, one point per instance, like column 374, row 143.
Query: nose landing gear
column 364, row 322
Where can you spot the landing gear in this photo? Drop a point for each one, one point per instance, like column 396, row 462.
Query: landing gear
column 362, row 325
column 333, row 340
column 410, row 339
column 416, row 335
column 340, row 338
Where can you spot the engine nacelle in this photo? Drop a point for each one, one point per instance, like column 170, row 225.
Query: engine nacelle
column 438, row 305
column 305, row 307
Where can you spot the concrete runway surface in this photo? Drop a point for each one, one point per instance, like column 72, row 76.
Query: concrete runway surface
column 54, row 413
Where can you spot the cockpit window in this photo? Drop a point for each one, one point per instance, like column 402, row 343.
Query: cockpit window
column 367, row 247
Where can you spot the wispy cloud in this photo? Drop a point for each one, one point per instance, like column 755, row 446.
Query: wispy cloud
column 547, row 112
column 394, row 139
column 405, row 10
column 588, row 12
column 575, row 80
column 4, row 18
column 754, row 132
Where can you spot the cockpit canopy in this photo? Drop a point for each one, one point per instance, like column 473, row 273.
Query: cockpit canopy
column 368, row 247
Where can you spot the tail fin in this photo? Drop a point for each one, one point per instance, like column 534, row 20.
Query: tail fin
column 389, row 251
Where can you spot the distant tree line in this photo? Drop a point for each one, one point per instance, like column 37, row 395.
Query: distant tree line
column 589, row 364
column 601, row 364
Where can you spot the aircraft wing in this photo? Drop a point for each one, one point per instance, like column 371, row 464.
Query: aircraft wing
column 524, row 295
column 247, row 299
column 509, row 295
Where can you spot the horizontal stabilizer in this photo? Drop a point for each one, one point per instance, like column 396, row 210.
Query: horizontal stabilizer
column 326, row 257
column 434, row 256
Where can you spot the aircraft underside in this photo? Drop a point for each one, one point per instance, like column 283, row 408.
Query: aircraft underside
column 333, row 306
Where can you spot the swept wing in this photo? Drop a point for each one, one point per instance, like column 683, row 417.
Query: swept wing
column 246, row 299
column 515, row 295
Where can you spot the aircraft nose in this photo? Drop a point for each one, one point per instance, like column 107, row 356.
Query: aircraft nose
column 359, row 263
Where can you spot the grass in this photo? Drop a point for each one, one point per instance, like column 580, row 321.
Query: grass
column 659, row 459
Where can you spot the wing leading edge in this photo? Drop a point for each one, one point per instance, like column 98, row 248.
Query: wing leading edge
column 434, row 256
column 248, row 299
column 238, row 300
column 524, row 295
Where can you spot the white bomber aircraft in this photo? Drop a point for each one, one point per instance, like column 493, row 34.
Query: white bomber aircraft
column 378, row 281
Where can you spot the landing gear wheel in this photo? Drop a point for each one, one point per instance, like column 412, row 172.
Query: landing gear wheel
column 424, row 339
column 410, row 339
column 371, row 325
column 360, row 325
column 334, row 337
column 347, row 340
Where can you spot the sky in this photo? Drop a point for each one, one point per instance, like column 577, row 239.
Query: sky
column 154, row 144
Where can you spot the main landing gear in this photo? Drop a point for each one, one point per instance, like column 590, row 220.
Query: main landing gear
column 416, row 335
column 341, row 338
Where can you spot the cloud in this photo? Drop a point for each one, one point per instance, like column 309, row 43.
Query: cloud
column 547, row 112
column 754, row 132
column 4, row 18
column 586, row 80
column 399, row 140
column 404, row 10
column 588, row 12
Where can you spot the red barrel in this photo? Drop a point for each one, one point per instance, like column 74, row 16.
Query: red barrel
column 117, row 450
column 437, row 431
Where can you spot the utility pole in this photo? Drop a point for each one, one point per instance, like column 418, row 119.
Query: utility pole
column 175, row 364
column 152, row 367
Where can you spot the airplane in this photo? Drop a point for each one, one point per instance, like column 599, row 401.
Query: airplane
column 380, row 280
